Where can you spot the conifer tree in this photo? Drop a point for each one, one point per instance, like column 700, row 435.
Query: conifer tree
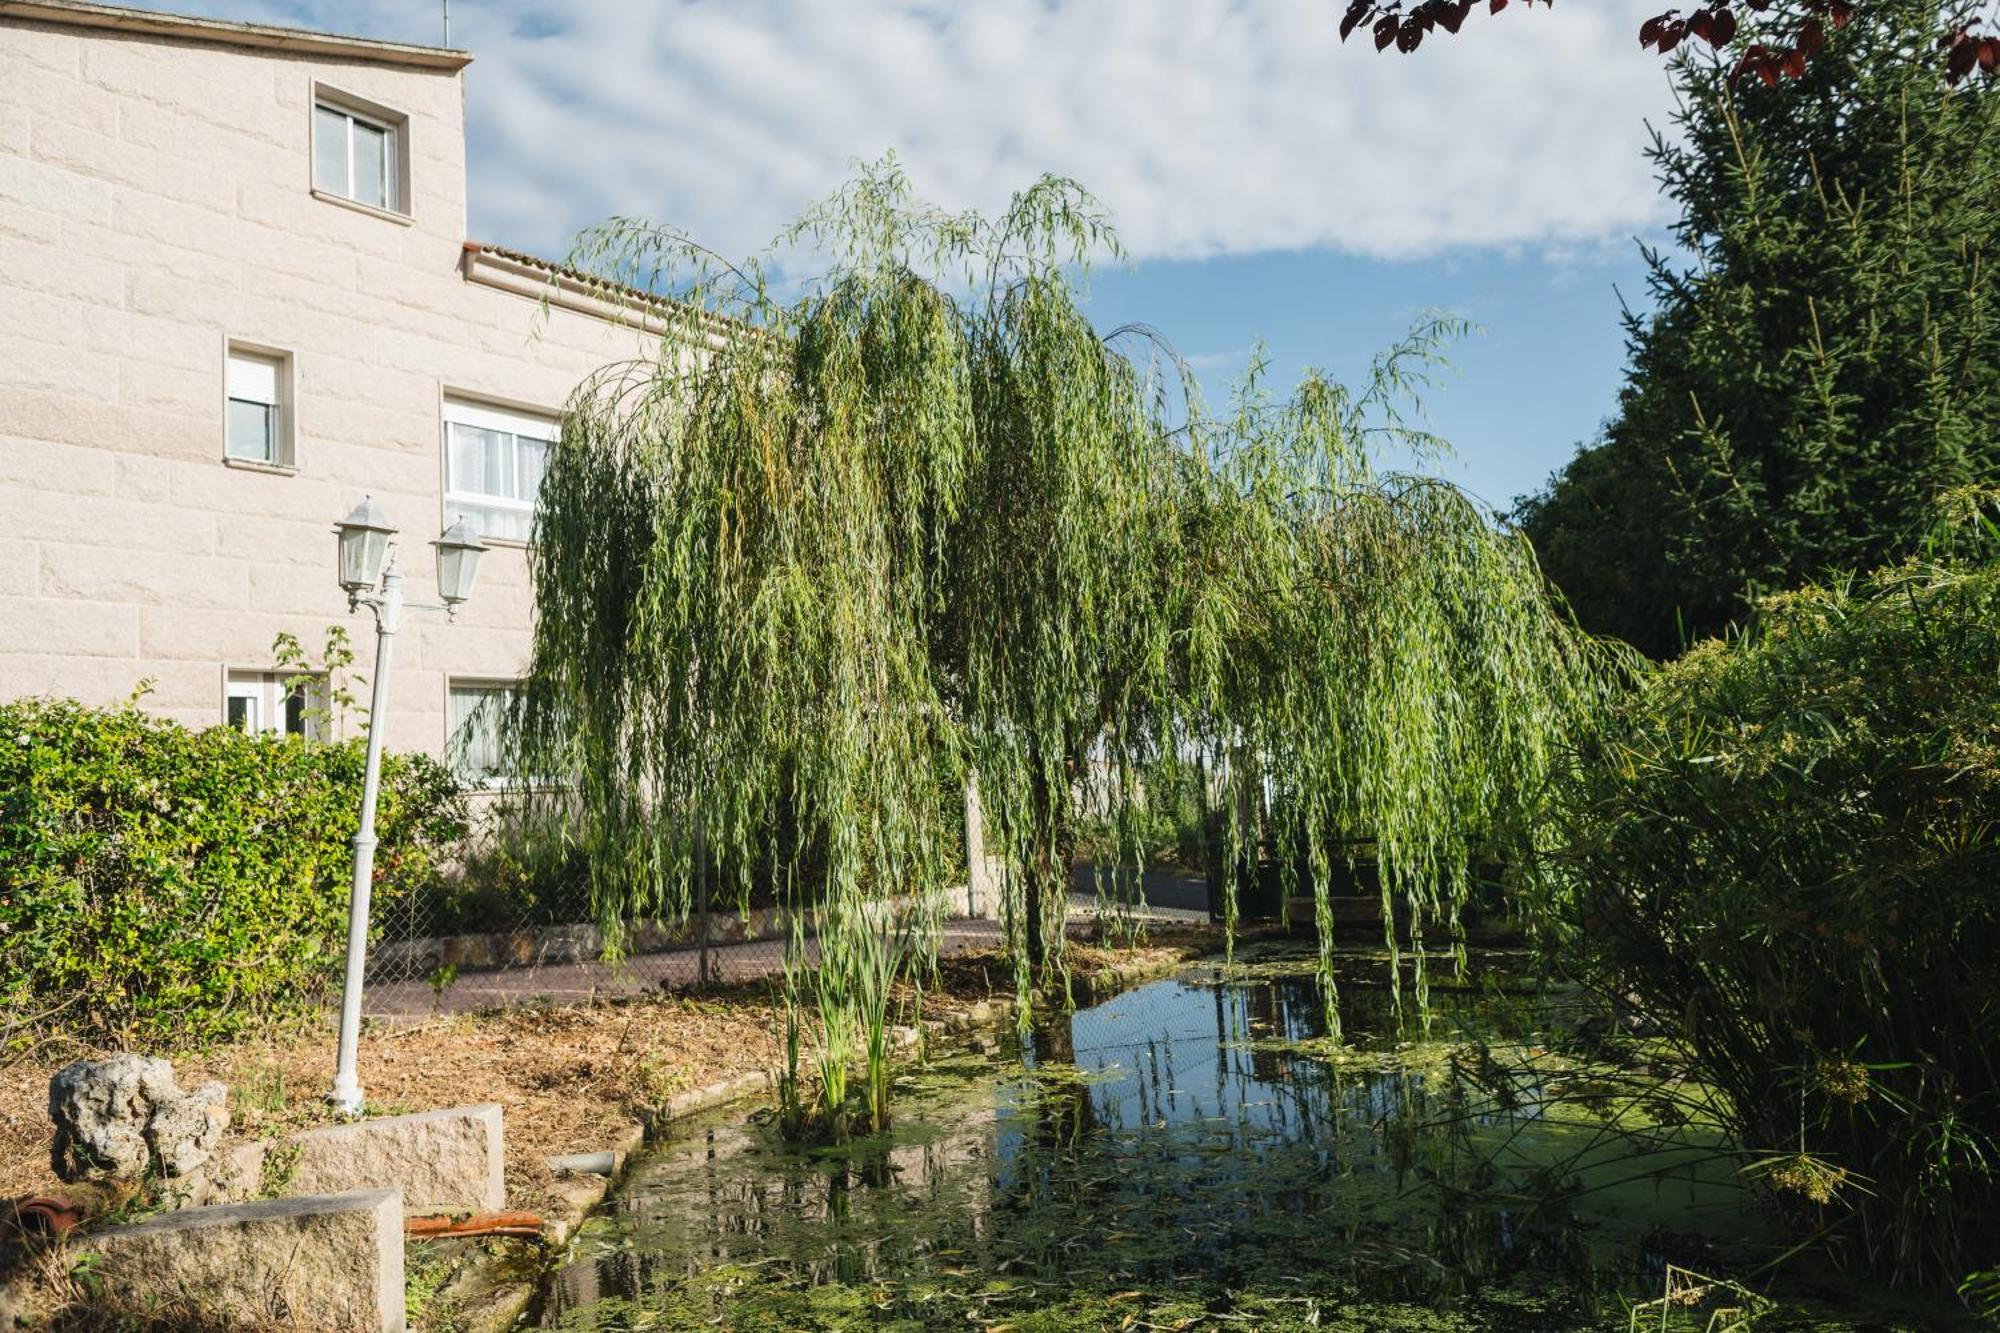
column 1824, row 354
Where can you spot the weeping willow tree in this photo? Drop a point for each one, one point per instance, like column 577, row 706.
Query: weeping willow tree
column 839, row 546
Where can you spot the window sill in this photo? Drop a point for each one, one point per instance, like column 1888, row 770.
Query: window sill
column 252, row 465
column 387, row 215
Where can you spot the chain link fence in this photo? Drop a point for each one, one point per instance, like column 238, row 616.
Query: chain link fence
column 507, row 929
column 428, row 959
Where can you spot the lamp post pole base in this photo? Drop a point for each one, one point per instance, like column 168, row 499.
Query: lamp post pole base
column 346, row 1102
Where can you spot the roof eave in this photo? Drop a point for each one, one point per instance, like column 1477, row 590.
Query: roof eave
column 565, row 288
column 223, row 32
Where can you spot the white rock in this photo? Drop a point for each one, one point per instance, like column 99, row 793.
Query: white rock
column 120, row 1117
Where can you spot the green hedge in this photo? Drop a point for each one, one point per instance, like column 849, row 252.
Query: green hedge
column 165, row 885
column 1786, row 849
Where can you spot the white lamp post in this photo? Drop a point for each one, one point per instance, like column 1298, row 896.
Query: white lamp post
column 368, row 572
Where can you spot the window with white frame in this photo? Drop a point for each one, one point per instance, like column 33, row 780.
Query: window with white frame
column 276, row 703
column 257, row 415
column 474, row 713
column 494, row 459
column 358, row 154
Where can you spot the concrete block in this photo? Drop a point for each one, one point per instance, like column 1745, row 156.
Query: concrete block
column 52, row 516
column 19, row 563
column 114, row 334
column 91, row 420
column 54, row 189
column 41, row 466
column 53, row 624
column 193, row 390
column 31, row 226
column 108, row 574
column 447, row 1161
column 193, row 634
column 331, row 1262
column 47, row 364
column 99, row 681
column 53, row 93
column 280, row 587
column 294, row 541
column 64, row 273
column 143, row 478
column 46, row 48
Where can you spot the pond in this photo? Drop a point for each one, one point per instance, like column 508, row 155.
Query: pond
column 1198, row 1153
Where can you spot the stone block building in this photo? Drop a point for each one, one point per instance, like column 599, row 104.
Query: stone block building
column 236, row 295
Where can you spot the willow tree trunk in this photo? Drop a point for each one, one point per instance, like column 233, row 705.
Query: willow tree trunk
column 1049, row 860
column 1045, row 865
column 1040, row 866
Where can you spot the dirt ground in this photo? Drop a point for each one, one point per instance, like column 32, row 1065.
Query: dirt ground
column 568, row 1077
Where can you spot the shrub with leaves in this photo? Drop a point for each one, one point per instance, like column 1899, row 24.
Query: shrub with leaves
column 1786, row 849
column 162, row 884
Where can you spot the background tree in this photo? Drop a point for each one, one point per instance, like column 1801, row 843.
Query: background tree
column 1824, row 355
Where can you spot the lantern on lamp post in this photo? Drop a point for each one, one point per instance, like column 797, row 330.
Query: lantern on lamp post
column 364, row 543
column 458, row 554
column 368, row 573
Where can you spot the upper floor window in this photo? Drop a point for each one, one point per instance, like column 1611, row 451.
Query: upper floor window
column 257, row 416
column 358, row 153
column 494, row 458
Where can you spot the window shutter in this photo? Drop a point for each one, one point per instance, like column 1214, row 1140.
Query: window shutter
column 254, row 379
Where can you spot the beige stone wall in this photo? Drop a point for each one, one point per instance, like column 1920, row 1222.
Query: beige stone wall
column 155, row 202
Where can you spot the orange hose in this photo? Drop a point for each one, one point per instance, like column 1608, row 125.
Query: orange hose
column 445, row 1227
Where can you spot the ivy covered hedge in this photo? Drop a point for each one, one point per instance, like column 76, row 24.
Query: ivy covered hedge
column 159, row 884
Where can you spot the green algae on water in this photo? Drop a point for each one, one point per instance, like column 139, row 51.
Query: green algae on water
column 1196, row 1155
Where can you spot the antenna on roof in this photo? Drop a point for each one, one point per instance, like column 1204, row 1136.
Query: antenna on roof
column 447, row 22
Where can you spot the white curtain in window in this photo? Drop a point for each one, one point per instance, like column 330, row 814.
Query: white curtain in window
column 253, row 424
column 253, row 378
column 475, row 730
column 495, row 460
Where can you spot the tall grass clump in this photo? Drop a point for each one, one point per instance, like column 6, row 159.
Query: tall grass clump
column 843, row 545
column 1785, row 849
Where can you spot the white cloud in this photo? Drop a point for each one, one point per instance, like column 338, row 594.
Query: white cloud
column 1206, row 126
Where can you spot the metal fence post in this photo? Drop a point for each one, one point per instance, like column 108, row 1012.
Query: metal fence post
column 701, row 900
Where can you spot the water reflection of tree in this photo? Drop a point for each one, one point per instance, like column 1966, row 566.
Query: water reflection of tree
column 1200, row 1152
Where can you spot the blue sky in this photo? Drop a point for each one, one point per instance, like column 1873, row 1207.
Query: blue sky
column 1536, row 377
column 1270, row 183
